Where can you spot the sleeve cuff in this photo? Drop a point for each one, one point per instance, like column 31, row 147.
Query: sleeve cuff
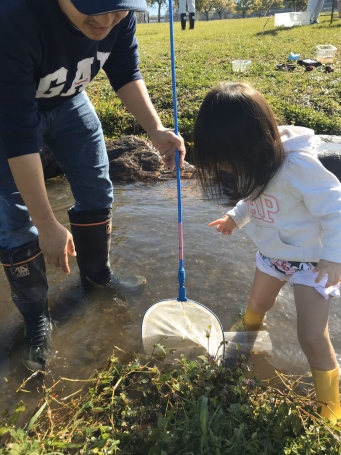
column 19, row 146
column 239, row 217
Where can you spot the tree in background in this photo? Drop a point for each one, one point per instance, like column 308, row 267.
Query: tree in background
column 297, row 5
column 205, row 7
column 245, row 7
column 266, row 5
column 159, row 3
column 223, row 6
column 142, row 17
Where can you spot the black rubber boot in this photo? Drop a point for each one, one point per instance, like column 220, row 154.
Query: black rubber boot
column 191, row 20
column 91, row 232
column 183, row 21
column 25, row 270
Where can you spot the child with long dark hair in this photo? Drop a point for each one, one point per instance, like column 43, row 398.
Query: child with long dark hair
column 291, row 206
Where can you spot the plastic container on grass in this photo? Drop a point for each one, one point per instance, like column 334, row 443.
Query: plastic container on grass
column 325, row 53
column 292, row 18
column 239, row 66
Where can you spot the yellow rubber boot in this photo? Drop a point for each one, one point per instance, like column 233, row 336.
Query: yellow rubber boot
column 327, row 393
column 252, row 320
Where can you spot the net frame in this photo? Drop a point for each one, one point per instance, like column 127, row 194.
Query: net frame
column 180, row 326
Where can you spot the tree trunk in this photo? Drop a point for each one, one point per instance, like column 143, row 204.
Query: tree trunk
column 159, row 13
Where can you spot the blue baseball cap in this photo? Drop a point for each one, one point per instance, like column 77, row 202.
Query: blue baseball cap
column 95, row 7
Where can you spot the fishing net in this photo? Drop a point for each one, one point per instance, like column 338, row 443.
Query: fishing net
column 187, row 328
column 181, row 326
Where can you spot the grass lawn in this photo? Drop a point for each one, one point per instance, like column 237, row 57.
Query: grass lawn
column 203, row 58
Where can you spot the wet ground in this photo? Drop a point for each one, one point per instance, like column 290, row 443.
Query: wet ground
column 219, row 272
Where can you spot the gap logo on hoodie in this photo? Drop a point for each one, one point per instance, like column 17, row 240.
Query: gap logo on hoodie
column 263, row 207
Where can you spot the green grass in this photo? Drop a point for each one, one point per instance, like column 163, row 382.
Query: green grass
column 203, row 59
column 196, row 408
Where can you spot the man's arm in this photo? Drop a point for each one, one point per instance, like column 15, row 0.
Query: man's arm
column 55, row 240
column 135, row 97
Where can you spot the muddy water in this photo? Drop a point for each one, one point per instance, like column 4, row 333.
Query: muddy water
column 219, row 273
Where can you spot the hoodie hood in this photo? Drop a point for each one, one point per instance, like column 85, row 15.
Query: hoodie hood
column 298, row 138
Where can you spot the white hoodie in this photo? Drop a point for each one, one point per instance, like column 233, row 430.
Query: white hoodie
column 298, row 217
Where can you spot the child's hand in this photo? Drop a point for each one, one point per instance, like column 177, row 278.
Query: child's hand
column 332, row 268
column 225, row 225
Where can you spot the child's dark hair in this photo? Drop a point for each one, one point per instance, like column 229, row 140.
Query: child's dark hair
column 236, row 131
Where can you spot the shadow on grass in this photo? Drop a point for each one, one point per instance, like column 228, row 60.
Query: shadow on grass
column 274, row 31
column 338, row 25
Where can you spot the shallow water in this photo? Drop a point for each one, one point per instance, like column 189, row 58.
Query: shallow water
column 219, row 272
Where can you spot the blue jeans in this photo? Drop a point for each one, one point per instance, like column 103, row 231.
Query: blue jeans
column 74, row 134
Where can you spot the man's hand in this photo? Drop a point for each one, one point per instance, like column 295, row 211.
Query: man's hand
column 56, row 243
column 225, row 225
column 332, row 268
column 167, row 142
column 55, row 240
column 135, row 97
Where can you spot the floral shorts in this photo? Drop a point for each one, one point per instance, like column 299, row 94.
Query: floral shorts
column 296, row 273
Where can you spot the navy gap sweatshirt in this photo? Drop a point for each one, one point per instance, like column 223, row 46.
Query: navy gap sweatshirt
column 45, row 61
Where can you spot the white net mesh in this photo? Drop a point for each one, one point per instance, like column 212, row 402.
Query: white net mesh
column 187, row 328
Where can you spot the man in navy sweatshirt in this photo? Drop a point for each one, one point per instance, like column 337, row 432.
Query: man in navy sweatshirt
column 49, row 52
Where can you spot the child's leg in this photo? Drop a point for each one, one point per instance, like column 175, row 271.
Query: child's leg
column 263, row 296
column 312, row 327
column 313, row 335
